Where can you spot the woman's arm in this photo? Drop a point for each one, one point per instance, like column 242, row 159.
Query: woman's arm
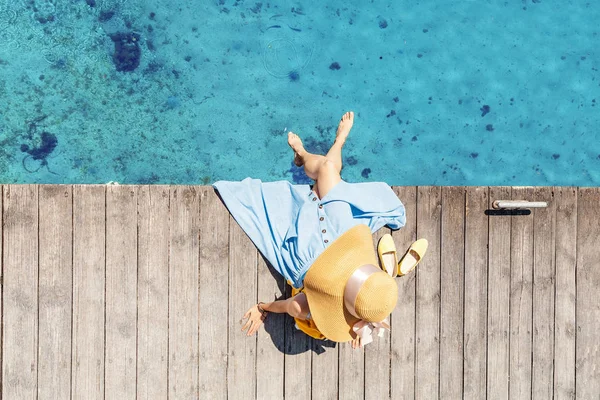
column 296, row 307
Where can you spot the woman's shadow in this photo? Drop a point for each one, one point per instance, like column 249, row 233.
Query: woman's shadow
column 281, row 327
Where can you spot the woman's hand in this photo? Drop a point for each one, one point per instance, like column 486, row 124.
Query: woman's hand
column 255, row 320
column 356, row 344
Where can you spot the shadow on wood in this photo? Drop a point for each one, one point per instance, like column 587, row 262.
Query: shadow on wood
column 501, row 213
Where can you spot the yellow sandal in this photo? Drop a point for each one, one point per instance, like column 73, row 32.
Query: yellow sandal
column 388, row 257
column 413, row 256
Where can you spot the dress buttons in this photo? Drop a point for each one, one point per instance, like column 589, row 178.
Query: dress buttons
column 314, row 199
column 326, row 241
column 324, row 230
column 320, row 205
column 321, row 219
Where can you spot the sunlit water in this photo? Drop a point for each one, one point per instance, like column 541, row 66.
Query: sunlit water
column 445, row 92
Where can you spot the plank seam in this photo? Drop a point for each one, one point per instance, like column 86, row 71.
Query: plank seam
column 509, row 294
column 439, row 347
column 105, row 241
column 137, row 294
column 391, row 317
column 72, row 288
column 2, row 221
column 2, row 294
column 228, row 303
column 578, row 194
column 532, row 338
column 415, row 354
column 464, row 260
column 554, row 280
column 555, row 212
column 168, row 292
column 198, row 191
column 440, row 241
column 37, row 335
column 256, row 337
column 487, row 292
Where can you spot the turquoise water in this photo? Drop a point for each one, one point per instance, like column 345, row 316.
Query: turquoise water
column 445, row 92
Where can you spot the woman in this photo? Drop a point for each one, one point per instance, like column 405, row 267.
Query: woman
column 319, row 239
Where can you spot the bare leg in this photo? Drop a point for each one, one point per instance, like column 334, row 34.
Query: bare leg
column 324, row 170
column 335, row 152
column 311, row 162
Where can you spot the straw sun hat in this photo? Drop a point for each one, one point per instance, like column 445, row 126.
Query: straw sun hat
column 345, row 288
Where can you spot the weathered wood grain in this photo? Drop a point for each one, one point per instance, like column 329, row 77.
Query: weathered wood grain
column 498, row 298
column 429, row 206
column 167, row 258
column 521, row 299
column 241, row 373
column 587, row 366
column 476, row 292
column 20, row 319
column 543, row 295
column 377, row 353
column 183, row 293
column 402, row 335
column 89, row 251
column 121, row 292
column 270, row 341
column 55, row 291
column 351, row 381
column 153, row 291
column 565, row 293
column 452, row 292
column 214, row 291
column 325, row 370
column 1, row 285
column 298, row 360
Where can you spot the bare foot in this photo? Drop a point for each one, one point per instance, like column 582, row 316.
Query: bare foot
column 296, row 144
column 344, row 127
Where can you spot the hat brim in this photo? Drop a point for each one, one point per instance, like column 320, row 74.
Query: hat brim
column 326, row 279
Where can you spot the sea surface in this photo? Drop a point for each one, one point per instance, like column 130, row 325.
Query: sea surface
column 190, row 92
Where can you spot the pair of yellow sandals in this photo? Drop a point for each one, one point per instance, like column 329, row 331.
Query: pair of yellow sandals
column 388, row 257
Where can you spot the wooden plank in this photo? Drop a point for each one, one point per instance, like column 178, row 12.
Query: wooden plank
column 498, row 299
column 55, row 291
column 213, row 299
column 565, row 293
column 351, row 373
column 402, row 335
column 429, row 208
column 543, row 296
column 89, row 209
column 297, row 385
column 452, row 292
column 587, row 372
column 521, row 299
column 153, row 291
column 270, row 342
column 476, row 290
column 20, row 319
column 377, row 354
column 1, row 285
column 241, row 373
column 183, row 293
column 325, row 355
column 121, row 292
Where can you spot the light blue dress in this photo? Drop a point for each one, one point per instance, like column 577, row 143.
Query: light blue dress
column 291, row 226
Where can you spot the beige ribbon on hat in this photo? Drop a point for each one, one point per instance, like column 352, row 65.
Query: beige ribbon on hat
column 362, row 328
column 365, row 329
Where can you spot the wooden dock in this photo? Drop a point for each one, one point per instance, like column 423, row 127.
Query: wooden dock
column 124, row 292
